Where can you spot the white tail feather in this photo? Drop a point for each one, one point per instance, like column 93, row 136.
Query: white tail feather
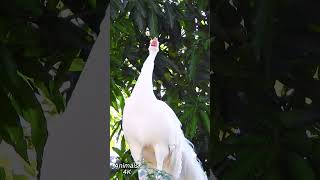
column 176, row 157
column 191, row 166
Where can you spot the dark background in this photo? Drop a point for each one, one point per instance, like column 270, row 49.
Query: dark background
column 33, row 39
column 265, row 83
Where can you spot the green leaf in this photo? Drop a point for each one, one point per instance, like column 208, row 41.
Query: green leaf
column 122, row 102
column 25, row 103
column 205, row 119
column 126, row 156
column 20, row 177
column 192, row 126
column 300, row 168
column 53, row 96
column 140, row 8
column 118, row 151
column 153, row 24
column 116, row 5
column 123, row 144
column 193, row 63
column 31, row 169
column 170, row 14
column 2, row 174
column 10, row 127
column 52, row 4
column 169, row 63
column 77, row 65
column 153, row 6
column 203, row 4
column 139, row 21
column 117, row 126
column 186, row 116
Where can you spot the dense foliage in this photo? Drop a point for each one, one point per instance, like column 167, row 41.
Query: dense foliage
column 41, row 47
column 181, row 74
column 265, row 89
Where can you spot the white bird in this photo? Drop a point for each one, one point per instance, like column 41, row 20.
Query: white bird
column 153, row 131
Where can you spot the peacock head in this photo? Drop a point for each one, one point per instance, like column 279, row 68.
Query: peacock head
column 154, row 46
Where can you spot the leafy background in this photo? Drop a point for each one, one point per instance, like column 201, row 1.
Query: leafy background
column 44, row 46
column 182, row 67
column 265, row 90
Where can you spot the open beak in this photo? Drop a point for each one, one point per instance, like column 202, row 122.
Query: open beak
column 154, row 42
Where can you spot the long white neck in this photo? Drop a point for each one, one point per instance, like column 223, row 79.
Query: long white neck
column 144, row 85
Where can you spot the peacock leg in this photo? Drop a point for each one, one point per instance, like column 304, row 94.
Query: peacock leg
column 160, row 153
column 136, row 152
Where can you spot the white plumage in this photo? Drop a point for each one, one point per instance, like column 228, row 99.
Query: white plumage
column 153, row 131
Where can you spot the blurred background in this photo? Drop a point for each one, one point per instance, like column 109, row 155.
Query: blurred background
column 182, row 67
column 44, row 45
column 265, row 90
